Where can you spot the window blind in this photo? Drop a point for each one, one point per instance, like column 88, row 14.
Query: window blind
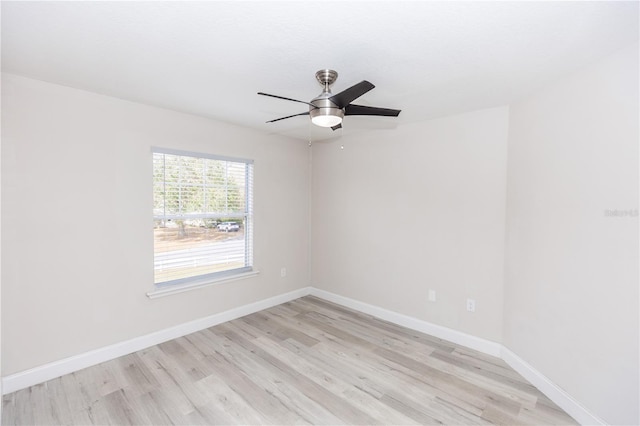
column 203, row 216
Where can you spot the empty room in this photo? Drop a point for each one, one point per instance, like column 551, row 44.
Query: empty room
column 304, row 212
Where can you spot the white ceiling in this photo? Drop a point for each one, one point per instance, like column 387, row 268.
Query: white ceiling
column 429, row 59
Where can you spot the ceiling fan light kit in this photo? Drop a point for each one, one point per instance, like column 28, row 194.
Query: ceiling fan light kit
column 328, row 110
column 326, row 117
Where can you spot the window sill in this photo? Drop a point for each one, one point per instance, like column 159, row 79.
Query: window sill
column 154, row 294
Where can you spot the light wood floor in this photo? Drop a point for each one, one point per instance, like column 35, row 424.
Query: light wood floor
column 303, row 362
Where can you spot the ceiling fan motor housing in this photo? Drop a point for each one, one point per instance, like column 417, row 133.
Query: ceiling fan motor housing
column 325, row 108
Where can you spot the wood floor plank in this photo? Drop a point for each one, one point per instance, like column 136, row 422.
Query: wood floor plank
column 88, row 405
column 338, row 405
column 147, row 405
column 500, row 372
column 308, row 361
column 332, row 367
column 76, row 400
column 355, row 395
column 405, row 383
column 269, row 376
column 57, row 400
column 122, row 410
column 352, row 347
column 411, row 409
column 268, row 406
column 174, row 378
column 222, row 398
column 381, row 325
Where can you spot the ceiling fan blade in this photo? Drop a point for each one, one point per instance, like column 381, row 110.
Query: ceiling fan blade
column 367, row 110
column 345, row 97
column 288, row 116
column 286, row 99
column 337, row 126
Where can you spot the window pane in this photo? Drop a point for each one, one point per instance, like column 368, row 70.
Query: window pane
column 202, row 216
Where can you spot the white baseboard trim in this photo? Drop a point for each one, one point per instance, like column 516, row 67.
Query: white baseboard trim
column 55, row 369
column 556, row 394
column 49, row 371
column 482, row 345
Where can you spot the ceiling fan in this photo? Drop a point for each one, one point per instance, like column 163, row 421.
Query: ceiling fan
column 328, row 110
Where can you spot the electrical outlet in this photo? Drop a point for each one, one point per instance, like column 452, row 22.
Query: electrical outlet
column 471, row 305
column 432, row 295
column 283, row 272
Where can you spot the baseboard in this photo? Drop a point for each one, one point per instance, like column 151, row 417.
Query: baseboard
column 556, row 394
column 49, row 371
column 482, row 345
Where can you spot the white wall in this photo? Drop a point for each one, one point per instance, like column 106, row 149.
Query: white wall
column 77, row 241
column 571, row 282
column 419, row 207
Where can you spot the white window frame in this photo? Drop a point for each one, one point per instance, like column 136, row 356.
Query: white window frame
column 189, row 283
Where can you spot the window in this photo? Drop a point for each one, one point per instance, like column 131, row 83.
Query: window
column 203, row 217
